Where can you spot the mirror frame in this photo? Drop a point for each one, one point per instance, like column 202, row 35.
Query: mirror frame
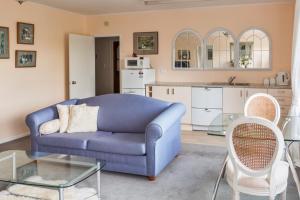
column 236, row 56
column 199, row 67
column 238, row 67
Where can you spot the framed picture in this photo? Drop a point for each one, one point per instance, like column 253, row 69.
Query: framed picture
column 25, row 59
column 4, row 42
column 25, row 33
column 145, row 43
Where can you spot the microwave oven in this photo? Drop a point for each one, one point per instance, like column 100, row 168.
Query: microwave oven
column 137, row 62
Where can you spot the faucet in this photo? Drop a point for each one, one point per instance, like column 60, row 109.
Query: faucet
column 231, row 79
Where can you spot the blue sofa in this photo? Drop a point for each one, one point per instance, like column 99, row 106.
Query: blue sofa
column 136, row 134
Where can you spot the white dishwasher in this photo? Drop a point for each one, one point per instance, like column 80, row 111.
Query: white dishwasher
column 207, row 104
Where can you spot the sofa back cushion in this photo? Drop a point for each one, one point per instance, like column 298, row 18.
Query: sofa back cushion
column 124, row 112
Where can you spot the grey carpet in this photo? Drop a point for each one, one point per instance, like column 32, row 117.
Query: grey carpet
column 190, row 177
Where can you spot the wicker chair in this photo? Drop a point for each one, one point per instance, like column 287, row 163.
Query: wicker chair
column 255, row 147
column 264, row 106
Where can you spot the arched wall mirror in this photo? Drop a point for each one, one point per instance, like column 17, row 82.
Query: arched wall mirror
column 219, row 50
column 187, row 50
column 254, row 50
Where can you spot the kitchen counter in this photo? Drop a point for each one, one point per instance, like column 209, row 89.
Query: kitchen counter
column 216, row 84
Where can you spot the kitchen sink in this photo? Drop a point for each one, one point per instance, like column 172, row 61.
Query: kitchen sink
column 241, row 84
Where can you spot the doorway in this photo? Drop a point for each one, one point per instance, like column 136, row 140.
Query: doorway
column 107, row 65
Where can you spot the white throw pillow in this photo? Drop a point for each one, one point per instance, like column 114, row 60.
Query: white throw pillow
column 83, row 119
column 50, row 127
column 64, row 115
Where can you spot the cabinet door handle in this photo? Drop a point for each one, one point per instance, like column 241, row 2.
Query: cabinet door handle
column 241, row 93
column 173, row 91
column 168, row 91
column 207, row 110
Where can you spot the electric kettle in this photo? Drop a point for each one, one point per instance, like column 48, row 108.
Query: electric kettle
column 282, row 78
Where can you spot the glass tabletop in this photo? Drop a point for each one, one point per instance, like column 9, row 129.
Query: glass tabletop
column 46, row 170
column 290, row 125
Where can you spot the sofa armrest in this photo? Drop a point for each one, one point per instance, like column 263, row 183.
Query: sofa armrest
column 35, row 119
column 164, row 121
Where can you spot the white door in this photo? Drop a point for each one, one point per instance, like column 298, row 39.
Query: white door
column 81, row 66
column 233, row 100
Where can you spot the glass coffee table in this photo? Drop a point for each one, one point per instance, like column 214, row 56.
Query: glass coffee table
column 16, row 167
column 290, row 127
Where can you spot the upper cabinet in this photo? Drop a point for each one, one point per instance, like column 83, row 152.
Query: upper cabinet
column 187, row 50
column 220, row 50
column 254, row 50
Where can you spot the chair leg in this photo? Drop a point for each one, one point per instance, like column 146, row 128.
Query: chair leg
column 283, row 195
column 236, row 195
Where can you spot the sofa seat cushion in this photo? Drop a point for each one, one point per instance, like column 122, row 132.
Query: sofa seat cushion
column 119, row 143
column 69, row 140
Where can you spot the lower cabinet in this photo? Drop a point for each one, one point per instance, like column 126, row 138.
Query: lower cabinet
column 176, row 94
column 204, row 104
column 234, row 99
column 202, row 118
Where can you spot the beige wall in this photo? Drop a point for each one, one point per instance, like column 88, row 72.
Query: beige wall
column 276, row 19
column 25, row 90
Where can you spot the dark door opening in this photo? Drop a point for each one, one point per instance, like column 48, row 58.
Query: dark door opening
column 107, row 68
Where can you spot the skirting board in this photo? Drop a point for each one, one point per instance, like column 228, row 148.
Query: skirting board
column 14, row 137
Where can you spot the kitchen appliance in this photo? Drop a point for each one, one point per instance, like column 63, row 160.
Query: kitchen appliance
column 134, row 81
column 137, row 63
column 282, row 78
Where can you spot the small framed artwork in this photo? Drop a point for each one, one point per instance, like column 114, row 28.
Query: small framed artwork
column 145, row 43
column 25, row 33
column 25, row 59
column 4, row 42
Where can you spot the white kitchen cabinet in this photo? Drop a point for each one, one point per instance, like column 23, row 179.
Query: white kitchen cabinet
column 233, row 100
column 207, row 97
column 284, row 98
column 204, row 117
column 251, row 91
column 176, row 94
column 207, row 104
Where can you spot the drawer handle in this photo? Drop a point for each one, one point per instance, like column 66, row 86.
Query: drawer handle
column 168, row 91
column 207, row 110
column 206, row 88
column 173, row 91
column 241, row 93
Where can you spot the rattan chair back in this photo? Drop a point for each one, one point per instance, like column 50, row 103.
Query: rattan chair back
column 254, row 144
column 264, row 106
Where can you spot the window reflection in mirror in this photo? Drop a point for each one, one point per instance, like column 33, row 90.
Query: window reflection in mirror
column 187, row 50
column 254, row 50
column 219, row 50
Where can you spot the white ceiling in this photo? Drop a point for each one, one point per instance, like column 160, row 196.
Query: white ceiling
column 92, row 7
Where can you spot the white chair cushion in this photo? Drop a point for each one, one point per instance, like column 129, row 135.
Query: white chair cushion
column 260, row 184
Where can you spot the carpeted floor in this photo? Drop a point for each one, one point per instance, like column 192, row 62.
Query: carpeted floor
column 190, row 177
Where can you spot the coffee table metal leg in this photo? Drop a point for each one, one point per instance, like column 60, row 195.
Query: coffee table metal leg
column 292, row 167
column 98, row 181
column 219, row 177
column 61, row 193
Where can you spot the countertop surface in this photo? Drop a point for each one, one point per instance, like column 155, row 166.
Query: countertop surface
column 217, row 84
